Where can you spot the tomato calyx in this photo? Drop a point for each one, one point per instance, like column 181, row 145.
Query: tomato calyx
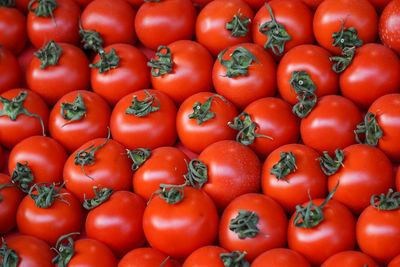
column 91, row 39
column 144, row 107
column 197, row 174
column 46, row 194
column 238, row 65
column 49, row 54
column 171, row 194
column 65, row 252
column 390, row 201
column 100, row 197
column 342, row 62
column 4, row 186
column 370, row 128
column 346, row 37
column 285, row 165
column 14, row 107
column 107, row 61
column 162, row 64
column 304, row 87
column 245, row 224
column 9, row 256
column 138, row 156
column 202, row 112
column 23, row 176
column 44, row 8
column 7, row 3
column 238, row 25
column 73, row 111
column 234, row 259
column 246, row 128
column 331, row 165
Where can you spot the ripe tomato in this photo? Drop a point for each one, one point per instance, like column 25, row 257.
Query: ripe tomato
column 10, row 70
column 152, row 126
column 245, row 75
column 130, row 74
column 278, row 257
column 349, row 259
column 163, row 22
column 56, row 20
column 10, row 197
column 190, row 72
column 144, row 257
column 253, row 223
column 224, row 23
column 13, row 29
column 195, row 136
column 207, row 256
column 388, row 30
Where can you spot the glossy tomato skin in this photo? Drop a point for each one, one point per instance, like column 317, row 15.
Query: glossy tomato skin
column 111, row 169
column 197, row 137
column 12, row 132
column 118, row 222
column 50, row 223
column 90, row 252
column 388, row 30
column 211, row 24
column 11, row 197
column 13, row 29
column 272, row 223
column 93, row 124
column 50, row 83
column 161, row 23
column 330, row 14
column 64, row 28
column 207, row 256
column 144, row 257
column 334, row 234
column 313, row 59
column 349, row 259
column 112, row 19
column 11, row 72
column 331, row 124
column 179, row 229
column 242, row 90
column 278, row 257
column 395, row 262
column 191, row 71
column 307, row 178
column 363, row 82
column 151, row 131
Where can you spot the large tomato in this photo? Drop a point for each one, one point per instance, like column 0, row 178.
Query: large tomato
column 10, row 197
column 10, row 70
column 388, row 26
column 349, row 258
column 207, row 256
column 13, row 29
column 145, row 257
column 279, row 257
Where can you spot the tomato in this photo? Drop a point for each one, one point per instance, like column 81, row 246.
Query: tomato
column 333, row 116
column 72, row 123
column 93, row 163
column 152, row 126
column 278, row 257
column 388, row 30
column 179, row 229
column 195, row 129
column 395, row 262
column 304, row 180
column 190, row 72
column 207, row 256
column 10, row 70
column 10, row 197
column 224, row 23
column 33, row 121
column 144, row 257
column 253, row 78
column 13, row 29
column 30, row 250
column 292, row 17
column 315, row 61
column 163, row 22
column 118, row 222
column 253, row 223
column 49, row 222
column 349, row 259
column 56, row 20
column 331, row 14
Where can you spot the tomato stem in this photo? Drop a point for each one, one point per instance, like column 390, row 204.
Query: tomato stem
column 73, row 111
column 49, row 54
column 100, row 197
column 331, row 165
column 91, row 39
column 346, row 37
column 245, row 224
column 107, row 61
column 238, row 65
column 22, row 175
column 7, row 3
column 64, row 251
column 144, row 107
column 44, row 8
column 342, row 62
column 370, row 128
column 197, row 174
column 234, row 259
column 238, row 25
column 390, row 201
column 162, row 64
column 138, row 156
column 172, row 194
column 9, row 256
column 305, row 88
column 285, row 165
column 46, row 194
column 202, row 112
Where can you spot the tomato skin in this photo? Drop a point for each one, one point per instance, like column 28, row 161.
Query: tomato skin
column 395, row 262
column 333, row 115
column 90, row 252
column 334, row 234
column 349, row 259
column 12, row 132
column 179, row 229
column 313, row 4
column 388, row 29
column 152, row 19
column 13, row 29
column 313, row 59
column 210, row 24
column 197, row 137
column 207, row 256
column 272, row 223
column 11, row 197
column 10, row 70
column 152, row 131
column 191, row 71
column 242, row 90
column 144, row 257
column 64, row 28
column 278, row 257
column 379, row 5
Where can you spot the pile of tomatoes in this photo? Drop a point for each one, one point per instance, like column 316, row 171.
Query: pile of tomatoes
column 199, row 133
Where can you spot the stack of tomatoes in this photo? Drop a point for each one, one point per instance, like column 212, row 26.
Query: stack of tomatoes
column 199, row 133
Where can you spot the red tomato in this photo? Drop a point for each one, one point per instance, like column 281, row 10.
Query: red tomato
column 224, row 23
column 207, row 256
column 13, row 131
column 9, row 69
column 279, row 257
column 10, row 197
column 118, row 222
column 265, row 227
column 152, row 128
column 395, row 262
column 349, row 259
column 112, row 19
column 60, row 24
column 13, row 29
column 181, row 228
column 255, row 80
column 195, row 136
column 24, row 58
column 388, row 26
column 163, row 22
column 330, row 15
column 144, row 257
column 190, row 72
column 334, row 116
column 131, row 74
column 22, row 5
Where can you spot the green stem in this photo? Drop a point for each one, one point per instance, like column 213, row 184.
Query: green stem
column 23, row 176
column 285, row 166
column 371, row 130
column 238, row 26
column 74, row 111
column 172, row 194
column 346, row 37
column 107, row 61
column 162, row 64
column 144, row 107
column 49, row 54
column 331, row 165
column 197, row 174
column 44, row 8
column 342, row 62
column 7, row 3
column 64, row 251
column 9, row 256
column 245, row 224
column 238, row 65
column 100, row 197
column 234, row 259
column 46, row 194
column 138, row 156
column 305, row 88
column 91, row 39
column 390, row 201
column 202, row 112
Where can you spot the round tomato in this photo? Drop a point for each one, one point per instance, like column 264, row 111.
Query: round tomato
column 10, row 197
column 13, row 29
column 388, row 26
column 279, row 257
column 349, row 259
column 145, row 257
column 207, row 256
column 10, row 70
